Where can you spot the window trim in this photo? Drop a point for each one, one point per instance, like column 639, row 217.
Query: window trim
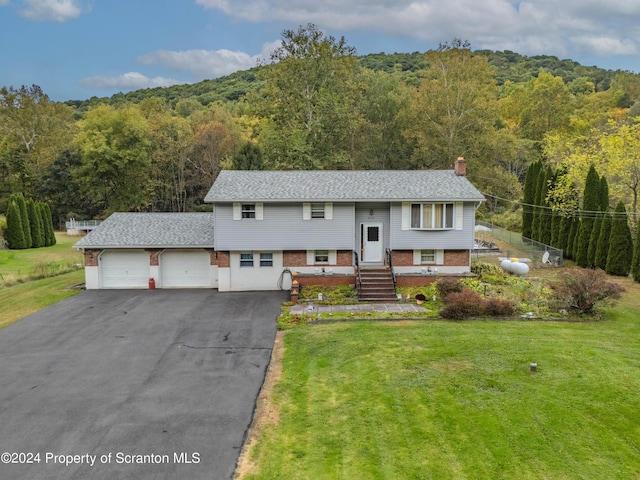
column 266, row 259
column 246, row 262
column 318, row 254
column 248, row 210
column 432, row 254
column 447, row 215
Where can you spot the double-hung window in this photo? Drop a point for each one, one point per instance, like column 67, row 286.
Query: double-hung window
column 432, row 216
column 266, row 259
column 246, row 259
column 427, row 256
column 248, row 210
column 321, row 256
column 317, row 210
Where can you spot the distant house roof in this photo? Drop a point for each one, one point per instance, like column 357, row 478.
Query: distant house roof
column 341, row 185
column 152, row 230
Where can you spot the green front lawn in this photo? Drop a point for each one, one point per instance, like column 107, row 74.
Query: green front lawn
column 35, row 278
column 457, row 400
column 19, row 265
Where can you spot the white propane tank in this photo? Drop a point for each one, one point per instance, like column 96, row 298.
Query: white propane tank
column 515, row 266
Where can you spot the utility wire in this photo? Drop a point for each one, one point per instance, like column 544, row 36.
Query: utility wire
column 546, row 210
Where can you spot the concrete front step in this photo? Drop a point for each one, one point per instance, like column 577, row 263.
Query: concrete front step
column 376, row 286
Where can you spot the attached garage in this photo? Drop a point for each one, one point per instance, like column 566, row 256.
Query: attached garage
column 129, row 249
column 124, row 269
column 185, row 269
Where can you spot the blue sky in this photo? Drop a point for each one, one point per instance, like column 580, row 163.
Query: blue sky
column 76, row 49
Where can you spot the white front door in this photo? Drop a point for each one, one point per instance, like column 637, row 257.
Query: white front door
column 372, row 245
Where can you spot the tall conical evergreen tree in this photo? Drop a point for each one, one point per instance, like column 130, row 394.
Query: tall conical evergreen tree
column 49, row 225
column 563, row 233
column 35, row 221
column 574, row 227
column 530, row 185
column 24, row 215
column 47, row 221
column 603, row 242
column 15, row 232
column 546, row 216
column 590, row 204
column 556, row 224
column 541, row 191
column 620, row 244
column 603, row 206
column 635, row 266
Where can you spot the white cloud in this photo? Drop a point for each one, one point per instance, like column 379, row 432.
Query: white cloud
column 202, row 64
column 129, row 81
column 591, row 27
column 4, row 2
column 51, row 10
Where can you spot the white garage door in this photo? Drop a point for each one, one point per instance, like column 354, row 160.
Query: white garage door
column 185, row 269
column 125, row 269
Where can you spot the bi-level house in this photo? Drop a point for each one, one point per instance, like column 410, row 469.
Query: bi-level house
column 326, row 227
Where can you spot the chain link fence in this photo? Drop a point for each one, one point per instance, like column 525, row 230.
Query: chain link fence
column 513, row 244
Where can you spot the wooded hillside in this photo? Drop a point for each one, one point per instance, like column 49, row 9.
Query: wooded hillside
column 320, row 106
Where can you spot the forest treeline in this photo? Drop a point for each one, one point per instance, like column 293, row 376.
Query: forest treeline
column 315, row 104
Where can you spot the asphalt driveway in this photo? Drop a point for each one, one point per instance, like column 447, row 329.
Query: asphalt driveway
column 138, row 384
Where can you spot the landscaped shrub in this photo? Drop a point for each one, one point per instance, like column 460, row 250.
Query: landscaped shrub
column 463, row 304
column 446, row 286
column 582, row 290
column 498, row 307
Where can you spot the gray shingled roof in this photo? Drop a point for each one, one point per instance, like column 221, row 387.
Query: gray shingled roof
column 151, row 230
column 341, row 185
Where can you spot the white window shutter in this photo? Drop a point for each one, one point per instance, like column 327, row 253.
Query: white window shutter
column 259, row 211
column 406, row 215
column 459, row 215
column 440, row 257
column 237, row 211
column 328, row 211
column 417, row 257
column 311, row 257
column 333, row 257
column 306, row 211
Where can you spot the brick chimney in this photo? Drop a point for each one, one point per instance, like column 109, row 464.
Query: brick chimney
column 461, row 167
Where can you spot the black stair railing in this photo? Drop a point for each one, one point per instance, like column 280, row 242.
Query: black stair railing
column 390, row 263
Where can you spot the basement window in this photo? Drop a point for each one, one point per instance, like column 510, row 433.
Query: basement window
column 246, row 259
column 266, row 259
column 427, row 256
column 322, row 256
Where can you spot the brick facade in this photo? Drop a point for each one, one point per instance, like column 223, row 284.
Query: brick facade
column 298, row 258
column 91, row 258
column 222, row 259
column 452, row 258
column 325, row 280
column 154, row 257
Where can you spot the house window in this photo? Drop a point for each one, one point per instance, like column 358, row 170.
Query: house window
column 321, row 256
column 432, row 216
column 246, row 259
column 266, row 259
column 427, row 256
column 248, row 210
column 317, row 210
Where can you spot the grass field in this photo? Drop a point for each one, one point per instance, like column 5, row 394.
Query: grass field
column 457, row 400
column 22, row 292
